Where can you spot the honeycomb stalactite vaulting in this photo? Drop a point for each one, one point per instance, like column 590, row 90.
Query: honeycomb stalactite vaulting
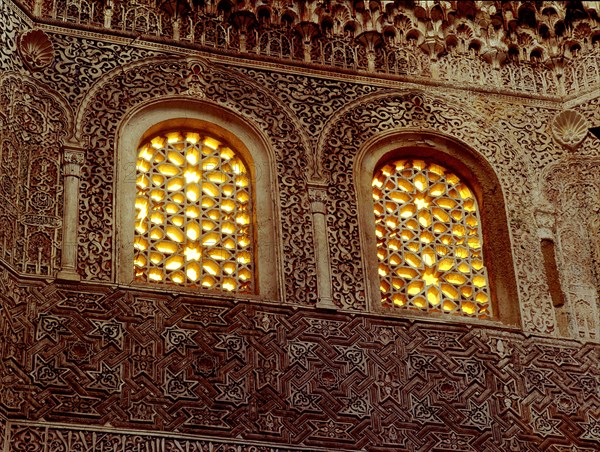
column 538, row 47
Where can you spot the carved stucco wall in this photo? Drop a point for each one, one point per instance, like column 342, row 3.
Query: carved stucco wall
column 572, row 190
column 591, row 110
column 360, row 121
column 115, row 358
column 81, row 62
column 33, row 123
column 2, row 429
column 127, row 87
column 139, row 360
column 572, row 187
column 13, row 22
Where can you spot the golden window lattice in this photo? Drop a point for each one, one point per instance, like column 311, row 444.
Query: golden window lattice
column 193, row 214
column 429, row 241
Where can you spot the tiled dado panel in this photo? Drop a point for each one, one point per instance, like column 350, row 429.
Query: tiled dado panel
column 138, row 361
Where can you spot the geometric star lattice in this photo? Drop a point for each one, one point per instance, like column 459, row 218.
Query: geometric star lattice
column 193, row 222
column 429, row 241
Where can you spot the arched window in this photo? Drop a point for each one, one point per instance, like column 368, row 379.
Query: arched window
column 193, row 223
column 429, row 240
column 434, row 229
column 196, row 202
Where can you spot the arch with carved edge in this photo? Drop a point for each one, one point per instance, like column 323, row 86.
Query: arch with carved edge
column 491, row 132
column 375, row 114
column 472, row 169
column 56, row 116
column 103, row 109
column 183, row 113
column 569, row 215
column 67, row 113
column 100, row 85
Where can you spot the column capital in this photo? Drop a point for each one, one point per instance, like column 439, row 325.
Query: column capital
column 73, row 153
column 317, row 194
column 545, row 219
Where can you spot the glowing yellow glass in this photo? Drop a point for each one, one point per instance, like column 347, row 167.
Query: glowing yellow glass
column 429, row 241
column 193, row 214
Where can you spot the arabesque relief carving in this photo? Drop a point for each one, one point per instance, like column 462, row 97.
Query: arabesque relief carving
column 541, row 48
column 249, row 372
column 591, row 110
column 572, row 186
column 81, row 62
column 11, row 25
column 224, row 88
column 355, row 125
column 33, row 124
column 92, row 362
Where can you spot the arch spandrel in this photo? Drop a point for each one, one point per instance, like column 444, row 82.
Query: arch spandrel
column 179, row 79
column 366, row 121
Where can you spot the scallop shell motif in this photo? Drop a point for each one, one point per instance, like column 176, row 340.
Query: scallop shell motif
column 570, row 128
column 36, row 49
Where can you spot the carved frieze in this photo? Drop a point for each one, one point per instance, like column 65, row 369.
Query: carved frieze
column 502, row 44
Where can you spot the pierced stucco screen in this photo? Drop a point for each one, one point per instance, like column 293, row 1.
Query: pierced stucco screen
column 193, row 214
column 429, row 241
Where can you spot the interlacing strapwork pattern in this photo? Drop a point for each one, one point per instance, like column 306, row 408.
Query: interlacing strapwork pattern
column 429, row 241
column 193, row 214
